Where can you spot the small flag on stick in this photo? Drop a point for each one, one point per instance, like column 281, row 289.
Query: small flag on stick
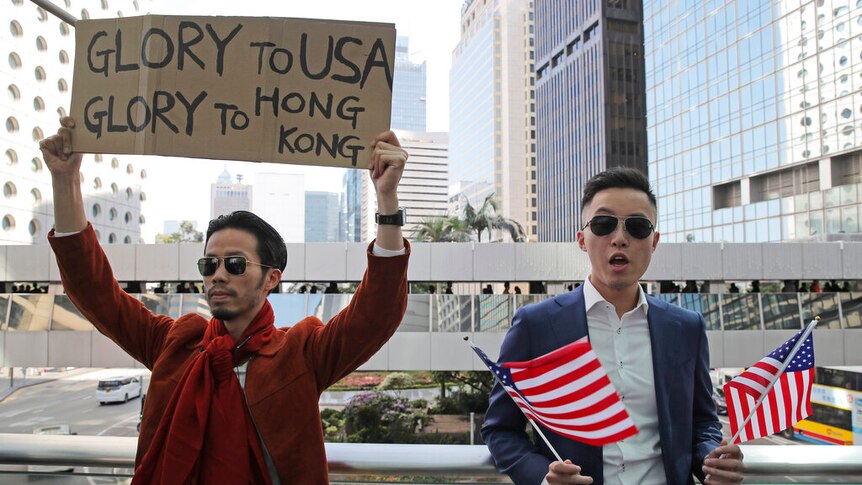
column 568, row 392
column 775, row 393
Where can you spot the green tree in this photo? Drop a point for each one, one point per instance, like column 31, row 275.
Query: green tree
column 187, row 233
column 486, row 218
column 443, row 229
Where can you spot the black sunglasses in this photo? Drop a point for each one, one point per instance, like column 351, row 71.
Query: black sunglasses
column 638, row 226
column 234, row 265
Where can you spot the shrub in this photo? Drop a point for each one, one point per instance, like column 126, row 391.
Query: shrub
column 332, row 421
column 372, row 417
column 396, row 380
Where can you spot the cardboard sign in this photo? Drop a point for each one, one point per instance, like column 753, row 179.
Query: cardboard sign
column 241, row 88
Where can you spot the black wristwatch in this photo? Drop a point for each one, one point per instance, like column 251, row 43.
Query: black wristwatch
column 396, row 219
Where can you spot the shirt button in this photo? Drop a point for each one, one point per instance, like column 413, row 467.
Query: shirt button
column 624, row 467
column 621, row 364
column 619, row 331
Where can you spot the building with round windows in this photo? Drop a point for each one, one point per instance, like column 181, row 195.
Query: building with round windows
column 37, row 52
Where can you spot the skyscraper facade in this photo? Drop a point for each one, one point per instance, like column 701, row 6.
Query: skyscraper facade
column 754, row 118
column 408, row 89
column 37, row 74
column 590, row 102
column 492, row 108
column 279, row 199
column 321, row 217
column 227, row 196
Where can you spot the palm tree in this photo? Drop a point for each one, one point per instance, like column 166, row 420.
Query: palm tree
column 486, row 218
column 442, row 229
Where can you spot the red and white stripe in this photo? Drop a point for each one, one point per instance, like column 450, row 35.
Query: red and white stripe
column 569, row 392
column 786, row 403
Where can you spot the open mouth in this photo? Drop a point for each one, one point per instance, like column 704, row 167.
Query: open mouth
column 619, row 260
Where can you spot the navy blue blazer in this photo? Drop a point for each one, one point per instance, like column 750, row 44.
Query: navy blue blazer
column 688, row 425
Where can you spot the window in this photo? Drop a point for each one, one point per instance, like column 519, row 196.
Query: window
column 62, row 86
column 41, row 44
column 115, row 163
column 64, row 57
column 97, row 183
column 727, row 195
column 129, row 193
column 127, row 240
column 143, row 196
column 39, row 73
column 14, row 60
column 12, row 125
column 114, row 189
column 85, row 14
column 112, row 214
column 38, row 104
column 11, row 157
column 8, row 223
column 112, row 238
column 97, row 210
column 34, row 227
column 104, row 4
column 61, row 111
column 38, row 135
column 143, row 174
column 16, row 29
column 36, row 165
column 9, row 190
column 41, row 14
column 64, row 29
column 14, row 92
column 142, row 219
column 130, row 169
column 36, row 195
column 128, row 217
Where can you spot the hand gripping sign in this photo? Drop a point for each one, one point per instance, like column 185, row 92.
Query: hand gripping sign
column 262, row 89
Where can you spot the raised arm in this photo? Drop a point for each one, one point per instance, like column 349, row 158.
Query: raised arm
column 65, row 168
column 386, row 168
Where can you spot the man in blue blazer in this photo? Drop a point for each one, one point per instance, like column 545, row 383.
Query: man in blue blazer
column 655, row 354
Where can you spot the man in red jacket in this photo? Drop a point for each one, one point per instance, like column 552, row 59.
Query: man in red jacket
column 233, row 400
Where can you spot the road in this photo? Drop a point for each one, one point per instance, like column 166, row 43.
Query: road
column 72, row 400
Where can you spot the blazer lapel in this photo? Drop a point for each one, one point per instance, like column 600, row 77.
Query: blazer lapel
column 569, row 323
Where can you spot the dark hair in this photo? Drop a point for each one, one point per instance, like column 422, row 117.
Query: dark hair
column 617, row 178
column 270, row 246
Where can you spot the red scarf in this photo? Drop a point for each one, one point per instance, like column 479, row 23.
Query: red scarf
column 206, row 434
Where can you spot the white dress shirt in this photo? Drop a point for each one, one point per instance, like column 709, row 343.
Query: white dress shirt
column 624, row 349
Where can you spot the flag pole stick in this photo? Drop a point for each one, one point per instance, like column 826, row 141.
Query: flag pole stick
column 784, row 365
column 535, row 426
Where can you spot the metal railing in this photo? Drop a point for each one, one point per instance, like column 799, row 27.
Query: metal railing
column 804, row 463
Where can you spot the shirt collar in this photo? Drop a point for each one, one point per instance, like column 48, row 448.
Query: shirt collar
column 592, row 297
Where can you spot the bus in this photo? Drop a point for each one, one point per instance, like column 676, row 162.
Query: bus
column 836, row 405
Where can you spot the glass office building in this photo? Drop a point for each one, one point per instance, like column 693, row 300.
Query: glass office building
column 754, row 108
column 408, row 89
column 590, row 102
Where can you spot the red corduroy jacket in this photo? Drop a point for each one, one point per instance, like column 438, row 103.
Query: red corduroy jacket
column 284, row 380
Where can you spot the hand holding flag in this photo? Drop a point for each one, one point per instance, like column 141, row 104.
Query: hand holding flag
column 774, row 393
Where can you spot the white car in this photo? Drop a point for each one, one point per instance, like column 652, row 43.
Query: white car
column 118, row 389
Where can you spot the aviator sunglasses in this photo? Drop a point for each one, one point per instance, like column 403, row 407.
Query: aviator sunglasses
column 638, row 226
column 234, row 265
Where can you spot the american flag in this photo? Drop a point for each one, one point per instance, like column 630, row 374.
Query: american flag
column 568, row 392
column 787, row 401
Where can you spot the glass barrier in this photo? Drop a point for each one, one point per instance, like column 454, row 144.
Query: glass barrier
column 4, row 309
column 705, row 304
column 194, row 303
column 824, row 305
column 326, row 306
column 781, row 311
column 161, row 304
column 451, row 313
column 851, row 307
column 30, row 312
column 493, row 313
column 66, row 317
column 741, row 312
column 288, row 308
column 417, row 318
column 524, row 300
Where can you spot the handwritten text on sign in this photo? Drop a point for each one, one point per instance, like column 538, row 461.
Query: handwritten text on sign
column 263, row 89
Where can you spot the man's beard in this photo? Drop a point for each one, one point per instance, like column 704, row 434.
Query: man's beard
column 224, row 314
